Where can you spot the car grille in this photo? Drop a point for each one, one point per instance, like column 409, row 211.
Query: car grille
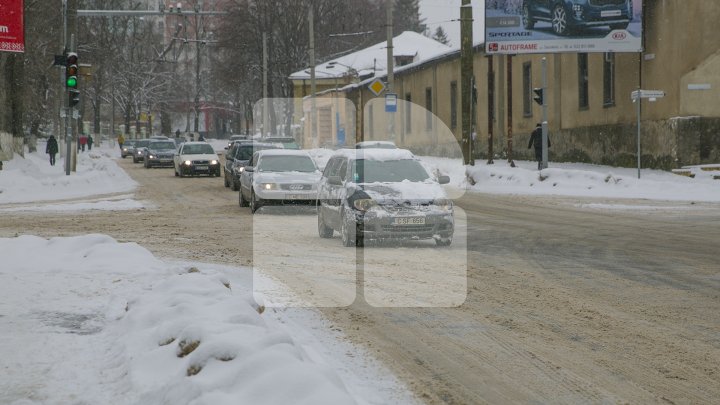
column 408, row 228
column 201, row 162
column 295, row 187
column 406, row 209
column 606, row 2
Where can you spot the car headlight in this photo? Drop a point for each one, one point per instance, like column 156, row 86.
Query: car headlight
column 443, row 203
column 239, row 169
column 151, row 156
column 139, row 152
column 364, row 204
column 268, row 186
column 213, row 162
column 187, row 163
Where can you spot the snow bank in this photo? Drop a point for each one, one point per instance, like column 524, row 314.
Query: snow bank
column 90, row 320
column 33, row 179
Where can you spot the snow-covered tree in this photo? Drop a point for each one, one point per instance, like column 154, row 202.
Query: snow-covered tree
column 441, row 36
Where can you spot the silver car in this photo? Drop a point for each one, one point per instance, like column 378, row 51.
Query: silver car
column 279, row 177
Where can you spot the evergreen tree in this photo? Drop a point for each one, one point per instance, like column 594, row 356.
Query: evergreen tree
column 441, row 36
column 406, row 17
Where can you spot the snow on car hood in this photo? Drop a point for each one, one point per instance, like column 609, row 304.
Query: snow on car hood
column 406, row 190
column 287, row 177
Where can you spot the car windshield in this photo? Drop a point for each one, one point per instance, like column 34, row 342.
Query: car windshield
column 285, row 163
column 246, row 151
column 143, row 143
column 129, row 143
column 388, row 171
column 162, row 145
column 203, row 149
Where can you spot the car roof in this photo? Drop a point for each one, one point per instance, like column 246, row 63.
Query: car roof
column 278, row 138
column 370, row 144
column 375, row 154
column 196, row 143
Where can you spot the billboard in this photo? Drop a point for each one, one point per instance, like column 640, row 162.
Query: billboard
column 12, row 31
column 551, row 26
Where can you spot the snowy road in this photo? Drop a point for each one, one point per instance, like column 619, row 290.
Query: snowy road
column 567, row 301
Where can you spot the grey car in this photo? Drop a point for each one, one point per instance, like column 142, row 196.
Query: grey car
column 127, row 148
column 382, row 194
column 159, row 153
column 138, row 150
column 237, row 157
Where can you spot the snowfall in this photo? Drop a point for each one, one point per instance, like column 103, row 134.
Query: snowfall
column 90, row 320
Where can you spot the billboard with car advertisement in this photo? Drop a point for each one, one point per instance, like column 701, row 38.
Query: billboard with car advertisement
column 12, row 31
column 551, row 26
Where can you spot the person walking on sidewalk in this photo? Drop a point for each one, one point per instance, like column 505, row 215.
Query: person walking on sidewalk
column 90, row 142
column 52, row 149
column 536, row 141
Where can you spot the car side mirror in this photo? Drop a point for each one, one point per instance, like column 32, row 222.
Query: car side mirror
column 335, row 180
column 443, row 179
column 249, row 169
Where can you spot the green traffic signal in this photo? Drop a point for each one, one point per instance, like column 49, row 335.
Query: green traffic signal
column 71, row 82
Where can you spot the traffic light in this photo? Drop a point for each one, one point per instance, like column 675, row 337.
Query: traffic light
column 538, row 95
column 71, row 78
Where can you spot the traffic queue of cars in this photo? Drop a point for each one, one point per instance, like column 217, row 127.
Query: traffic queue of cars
column 373, row 192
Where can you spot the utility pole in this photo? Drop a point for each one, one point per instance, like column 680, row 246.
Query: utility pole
column 313, row 84
column 545, row 115
column 265, row 87
column 509, row 111
column 198, row 27
column 390, row 65
column 491, row 107
column 466, row 79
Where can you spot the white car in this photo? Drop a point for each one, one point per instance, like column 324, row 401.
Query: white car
column 279, row 177
column 195, row 158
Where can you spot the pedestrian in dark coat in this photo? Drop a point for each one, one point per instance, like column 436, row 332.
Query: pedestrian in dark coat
column 90, row 142
column 536, row 141
column 83, row 142
column 52, row 149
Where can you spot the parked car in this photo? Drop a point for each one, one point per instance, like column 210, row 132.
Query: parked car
column 279, row 177
column 159, row 153
column 375, row 145
column 382, row 194
column 127, row 148
column 286, row 141
column 237, row 157
column 138, row 151
column 234, row 138
column 567, row 16
column 195, row 158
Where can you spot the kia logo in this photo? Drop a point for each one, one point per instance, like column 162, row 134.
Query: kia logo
column 619, row 36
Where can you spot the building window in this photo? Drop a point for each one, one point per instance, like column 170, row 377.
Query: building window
column 429, row 108
column 453, row 105
column 408, row 112
column 609, row 80
column 527, row 89
column 583, row 89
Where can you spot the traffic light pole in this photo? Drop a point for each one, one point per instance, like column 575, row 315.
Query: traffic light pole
column 544, row 115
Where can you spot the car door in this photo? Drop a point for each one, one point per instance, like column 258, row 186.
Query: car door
column 230, row 158
column 176, row 158
column 247, row 176
column 324, row 187
column 335, row 192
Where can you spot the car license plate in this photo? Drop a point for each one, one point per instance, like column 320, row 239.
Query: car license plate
column 295, row 197
column 201, row 167
column 611, row 13
column 409, row 221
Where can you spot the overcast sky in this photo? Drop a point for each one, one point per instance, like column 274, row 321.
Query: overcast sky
column 443, row 12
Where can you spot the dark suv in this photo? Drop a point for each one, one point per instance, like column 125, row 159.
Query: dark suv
column 568, row 15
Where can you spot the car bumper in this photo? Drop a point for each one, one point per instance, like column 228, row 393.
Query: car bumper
column 600, row 15
column 200, row 169
column 287, row 197
column 160, row 162
column 434, row 225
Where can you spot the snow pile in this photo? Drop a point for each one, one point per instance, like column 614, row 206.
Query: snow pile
column 33, row 179
column 91, row 320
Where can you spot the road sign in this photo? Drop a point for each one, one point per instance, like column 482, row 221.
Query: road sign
column 391, row 102
column 647, row 94
column 377, row 87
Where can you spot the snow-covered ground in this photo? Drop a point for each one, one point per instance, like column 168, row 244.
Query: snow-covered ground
column 90, row 320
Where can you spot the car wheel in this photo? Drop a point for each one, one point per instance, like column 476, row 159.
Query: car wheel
column 226, row 182
column 559, row 20
column 528, row 22
column 234, row 185
column 255, row 203
column 348, row 237
column 443, row 241
column 243, row 201
column 323, row 230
